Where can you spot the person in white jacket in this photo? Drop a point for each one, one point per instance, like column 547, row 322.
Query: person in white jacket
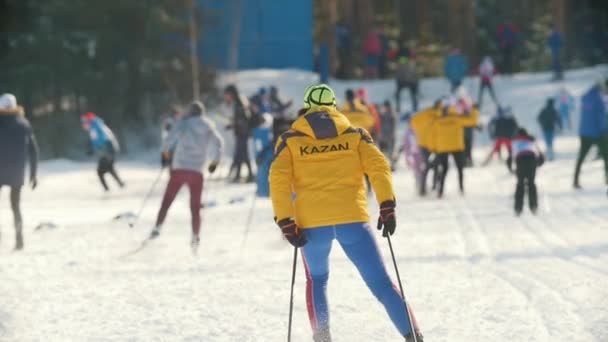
column 486, row 75
column 190, row 140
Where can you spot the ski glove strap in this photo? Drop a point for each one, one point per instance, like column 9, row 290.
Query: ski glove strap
column 291, row 232
column 387, row 221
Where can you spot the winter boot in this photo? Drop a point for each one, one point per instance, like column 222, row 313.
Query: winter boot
column 155, row 232
column 321, row 335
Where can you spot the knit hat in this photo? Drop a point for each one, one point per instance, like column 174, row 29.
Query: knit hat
column 8, row 102
column 87, row 117
column 319, row 95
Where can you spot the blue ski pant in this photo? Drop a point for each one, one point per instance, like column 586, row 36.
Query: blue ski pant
column 359, row 245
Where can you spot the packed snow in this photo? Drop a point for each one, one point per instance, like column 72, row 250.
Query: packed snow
column 472, row 271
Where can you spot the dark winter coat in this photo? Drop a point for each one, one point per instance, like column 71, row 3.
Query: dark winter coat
column 502, row 127
column 549, row 119
column 240, row 120
column 593, row 121
column 17, row 141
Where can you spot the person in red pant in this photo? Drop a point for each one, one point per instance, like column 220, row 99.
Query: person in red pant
column 191, row 138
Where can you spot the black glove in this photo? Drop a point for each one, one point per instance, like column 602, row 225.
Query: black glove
column 292, row 233
column 387, row 221
column 212, row 167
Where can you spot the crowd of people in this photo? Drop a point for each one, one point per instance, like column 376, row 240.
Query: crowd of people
column 312, row 167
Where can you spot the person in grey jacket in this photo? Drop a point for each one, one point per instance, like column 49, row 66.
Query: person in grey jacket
column 190, row 140
column 17, row 145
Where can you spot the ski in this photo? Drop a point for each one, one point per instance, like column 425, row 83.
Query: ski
column 137, row 250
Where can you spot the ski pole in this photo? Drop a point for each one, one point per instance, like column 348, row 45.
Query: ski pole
column 249, row 220
column 407, row 311
column 143, row 205
column 293, row 281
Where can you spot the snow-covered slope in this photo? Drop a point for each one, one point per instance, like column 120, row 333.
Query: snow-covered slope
column 471, row 270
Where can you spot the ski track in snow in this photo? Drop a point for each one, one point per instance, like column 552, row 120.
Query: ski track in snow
column 472, row 271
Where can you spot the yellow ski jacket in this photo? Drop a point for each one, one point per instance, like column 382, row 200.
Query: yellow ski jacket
column 317, row 176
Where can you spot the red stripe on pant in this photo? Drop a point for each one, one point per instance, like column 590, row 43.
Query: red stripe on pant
column 310, row 303
column 194, row 181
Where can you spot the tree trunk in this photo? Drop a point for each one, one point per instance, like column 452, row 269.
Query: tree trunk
column 422, row 20
column 327, row 30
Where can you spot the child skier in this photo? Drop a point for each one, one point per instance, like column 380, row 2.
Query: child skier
column 486, row 73
column 262, row 139
column 322, row 160
column 17, row 141
column 527, row 157
column 192, row 136
column 102, row 144
column 502, row 128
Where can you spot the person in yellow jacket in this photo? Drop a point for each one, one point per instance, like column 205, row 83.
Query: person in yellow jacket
column 422, row 124
column 357, row 113
column 448, row 139
column 322, row 160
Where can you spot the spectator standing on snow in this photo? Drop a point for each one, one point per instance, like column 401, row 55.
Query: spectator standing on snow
column 502, row 128
column 550, row 122
column 486, row 74
column 527, row 158
column 102, row 144
column 240, row 125
column 593, row 129
column 192, row 137
column 17, row 146
column 555, row 43
column 372, row 47
column 455, row 68
column 331, row 204
column 407, row 76
column 344, row 46
column 565, row 105
column 385, row 48
column 507, row 36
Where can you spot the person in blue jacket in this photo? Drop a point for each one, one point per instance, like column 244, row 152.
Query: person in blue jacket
column 593, row 129
column 455, row 68
column 17, row 145
column 103, row 145
column 263, row 142
column 555, row 43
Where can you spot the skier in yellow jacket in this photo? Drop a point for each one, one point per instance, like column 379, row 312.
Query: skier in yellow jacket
column 357, row 113
column 322, row 160
column 448, row 139
column 422, row 124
